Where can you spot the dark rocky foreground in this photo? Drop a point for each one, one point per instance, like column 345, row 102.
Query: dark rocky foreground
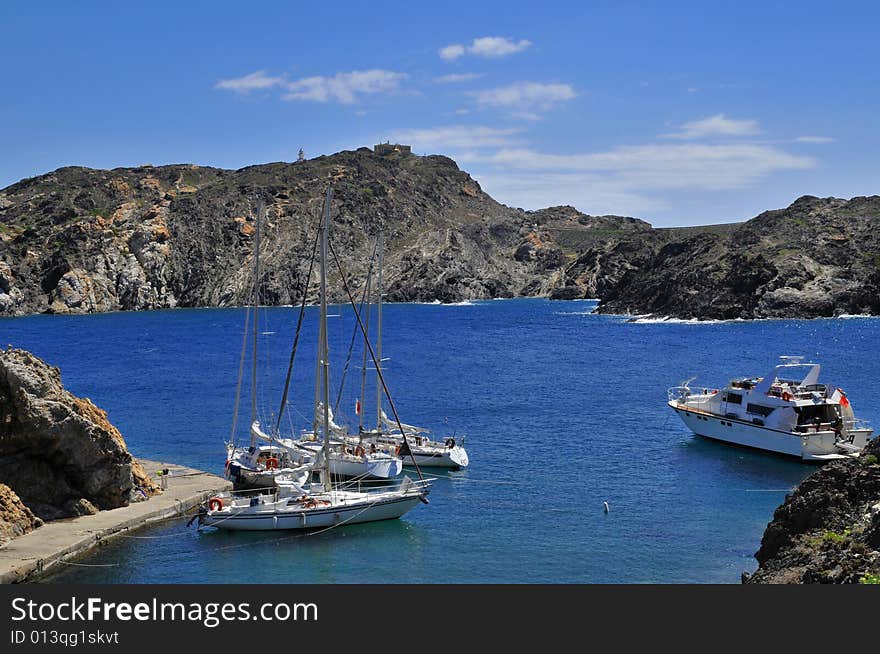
column 79, row 240
column 828, row 529
column 59, row 455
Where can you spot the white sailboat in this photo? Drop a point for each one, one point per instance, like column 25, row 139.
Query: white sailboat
column 428, row 453
column 324, row 504
column 348, row 457
column 419, row 449
column 259, row 465
column 265, row 464
column 787, row 411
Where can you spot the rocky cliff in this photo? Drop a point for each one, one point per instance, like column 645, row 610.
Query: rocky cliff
column 828, row 529
column 818, row 257
column 58, row 452
column 80, row 240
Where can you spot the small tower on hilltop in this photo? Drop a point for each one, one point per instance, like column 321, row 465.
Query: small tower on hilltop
column 301, row 156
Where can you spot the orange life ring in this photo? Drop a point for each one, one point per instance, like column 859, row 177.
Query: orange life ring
column 215, row 504
column 397, row 451
column 786, row 396
column 271, row 463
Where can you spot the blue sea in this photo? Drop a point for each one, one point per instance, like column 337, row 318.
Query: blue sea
column 561, row 410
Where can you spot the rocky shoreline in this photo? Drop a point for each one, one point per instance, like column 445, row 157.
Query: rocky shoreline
column 79, row 240
column 59, row 455
column 61, row 458
column 816, row 258
column 828, row 530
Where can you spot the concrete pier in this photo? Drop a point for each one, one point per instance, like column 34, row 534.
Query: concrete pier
column 33, row 554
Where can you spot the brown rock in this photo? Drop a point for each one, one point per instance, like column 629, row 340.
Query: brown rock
column 59, row 452
column 15, row 518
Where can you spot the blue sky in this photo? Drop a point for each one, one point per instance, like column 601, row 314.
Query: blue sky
column 675, row 112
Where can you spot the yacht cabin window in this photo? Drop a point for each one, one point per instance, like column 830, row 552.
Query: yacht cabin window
column 759, row 409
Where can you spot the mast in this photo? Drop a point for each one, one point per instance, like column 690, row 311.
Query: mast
column 381, row 248
column 256, row 304
column 364, row 366
column 317, row 420
column 323, row 348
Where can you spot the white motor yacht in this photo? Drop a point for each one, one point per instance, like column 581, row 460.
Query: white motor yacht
column 787, row 411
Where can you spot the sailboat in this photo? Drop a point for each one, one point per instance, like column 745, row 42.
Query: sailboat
column 425, row 451
column 261, row 464
column 322, row 504
column 388, row 436
column 347, row 459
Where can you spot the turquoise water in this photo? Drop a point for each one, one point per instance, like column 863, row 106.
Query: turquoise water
column 562, row 411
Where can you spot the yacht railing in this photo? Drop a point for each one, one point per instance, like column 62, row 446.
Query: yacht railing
column 687, row 395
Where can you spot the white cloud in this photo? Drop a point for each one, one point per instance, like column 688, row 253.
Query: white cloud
column 814, row 139
column 718, row 125
column 485, row 46
column 458, row 136
column 253, row 82
column 497, row 46
column 343, row 87
column 452, row 52
column 525, row 96
column 632, row 180
column 525, row 115
column 457, row 77
column 591, row 193
column 691, row 166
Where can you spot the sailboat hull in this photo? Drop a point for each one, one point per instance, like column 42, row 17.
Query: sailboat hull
column 273, row 518
column 370, row 466
column 453, row 459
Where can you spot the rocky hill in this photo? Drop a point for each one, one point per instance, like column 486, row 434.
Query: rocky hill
column 79, row 240
column 59, row 455
column 828, row 529
column 818, row 257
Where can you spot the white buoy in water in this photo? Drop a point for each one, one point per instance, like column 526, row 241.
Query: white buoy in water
column 605, row 504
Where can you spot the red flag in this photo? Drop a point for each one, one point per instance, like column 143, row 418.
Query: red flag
column 357, row 407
